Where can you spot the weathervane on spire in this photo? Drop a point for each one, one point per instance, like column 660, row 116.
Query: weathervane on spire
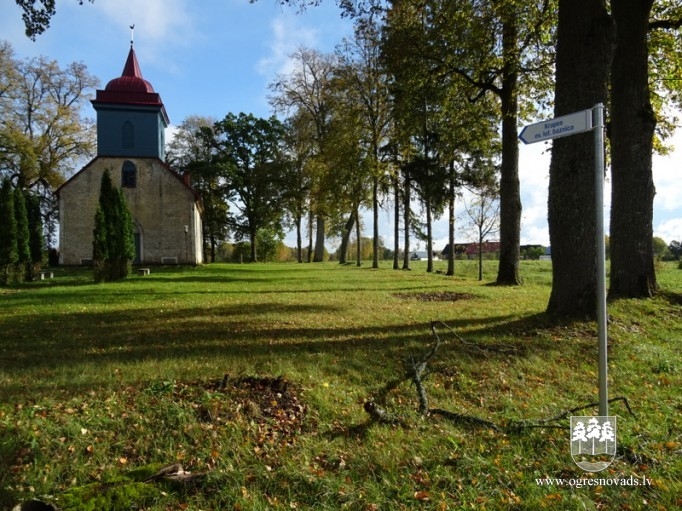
column 132, row 32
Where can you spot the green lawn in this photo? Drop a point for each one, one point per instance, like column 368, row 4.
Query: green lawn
column 99, row 380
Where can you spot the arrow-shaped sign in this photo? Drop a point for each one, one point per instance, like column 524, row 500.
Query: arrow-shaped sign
column 563, row 126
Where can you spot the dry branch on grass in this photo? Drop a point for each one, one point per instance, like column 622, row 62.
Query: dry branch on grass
column 416, row 371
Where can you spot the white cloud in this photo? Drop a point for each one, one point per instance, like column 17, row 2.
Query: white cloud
column 669, row 230
column 159, row 21
column 667, row 172
column 162, row 27
column 288, row 34
column 170, row 132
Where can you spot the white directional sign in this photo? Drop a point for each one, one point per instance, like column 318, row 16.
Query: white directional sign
column 563, row 126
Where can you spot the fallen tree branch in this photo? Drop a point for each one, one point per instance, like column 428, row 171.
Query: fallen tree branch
column 379, row 414
column 468, row 420
column 416, row 372
column 542, row 423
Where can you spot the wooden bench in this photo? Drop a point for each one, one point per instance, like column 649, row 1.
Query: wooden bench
column 143, row 271
column 46, row 275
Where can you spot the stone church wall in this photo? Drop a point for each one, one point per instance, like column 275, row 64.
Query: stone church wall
column 164, row 210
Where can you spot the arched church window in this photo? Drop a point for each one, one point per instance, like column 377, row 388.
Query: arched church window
column 128, row 135
column 129, row 175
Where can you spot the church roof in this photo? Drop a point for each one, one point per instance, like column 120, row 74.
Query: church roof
column 130, row 88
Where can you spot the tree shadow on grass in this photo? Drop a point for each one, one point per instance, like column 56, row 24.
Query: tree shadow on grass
column 52, row 342
column 671, row 297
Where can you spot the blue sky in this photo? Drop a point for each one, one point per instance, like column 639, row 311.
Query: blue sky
column 214, row 57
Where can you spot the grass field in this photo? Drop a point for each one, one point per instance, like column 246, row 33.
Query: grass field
column 255, row 376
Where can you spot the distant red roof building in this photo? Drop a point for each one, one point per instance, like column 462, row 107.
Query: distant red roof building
column 488, row 247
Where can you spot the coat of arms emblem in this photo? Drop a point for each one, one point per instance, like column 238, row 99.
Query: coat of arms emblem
column 593, row 442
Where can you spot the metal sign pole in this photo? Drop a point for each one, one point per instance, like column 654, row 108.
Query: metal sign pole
column 571, row 124
column 598, row 127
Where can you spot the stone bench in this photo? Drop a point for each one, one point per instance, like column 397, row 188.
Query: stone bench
column 46, row 275
column 143, row 271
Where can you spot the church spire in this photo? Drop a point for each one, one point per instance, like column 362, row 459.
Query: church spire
column 132, row 66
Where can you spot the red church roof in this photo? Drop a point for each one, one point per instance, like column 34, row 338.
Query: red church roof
column 131, row 79
column 130, row 88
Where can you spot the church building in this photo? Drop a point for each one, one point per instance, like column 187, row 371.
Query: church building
column 166, row 210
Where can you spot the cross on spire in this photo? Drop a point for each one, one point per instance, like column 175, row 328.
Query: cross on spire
column 132, row 33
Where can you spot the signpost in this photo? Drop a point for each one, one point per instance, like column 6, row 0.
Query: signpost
column 572, row 124
column 564, row 126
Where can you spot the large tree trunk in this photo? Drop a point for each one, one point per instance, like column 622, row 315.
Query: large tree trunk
column 429, row 237
column 510, row 191
column 253, row 256
column 358, row 236
column 632, row 131
column 320, row 228
column 406, row 220
column 345, row 239
column 480, row 258
column 311, row 220
column 299, row 239
column 375, row 221
column 584, row 52
column 451, row 221
column 396, row 224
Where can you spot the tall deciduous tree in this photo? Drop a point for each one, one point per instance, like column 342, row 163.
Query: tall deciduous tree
column 363, row 73
column 632, row 133
column 255, row 168
column 416, row 93
column 483, row 215
column 646, row 35
column 300, row 148
column 586, row 39
column 192, row 151
column 353, row 166
column 43, row 134
column 306, row 90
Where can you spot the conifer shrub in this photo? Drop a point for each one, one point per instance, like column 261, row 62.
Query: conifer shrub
column 22, row 269
column 9, row 254
column 113, row 245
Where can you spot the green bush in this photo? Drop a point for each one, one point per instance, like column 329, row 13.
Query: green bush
column 113, row 245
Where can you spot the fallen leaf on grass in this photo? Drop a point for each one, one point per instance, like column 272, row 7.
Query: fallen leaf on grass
column 422, row 496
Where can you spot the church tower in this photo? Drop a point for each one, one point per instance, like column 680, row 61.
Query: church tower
column 166, row 210
column 131, row 118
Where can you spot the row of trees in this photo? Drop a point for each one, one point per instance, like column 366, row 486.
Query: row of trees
column 427, row 97
column 620, row 53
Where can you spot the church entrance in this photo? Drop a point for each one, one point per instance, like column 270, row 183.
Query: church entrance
column 137, row 235
column 138, row 258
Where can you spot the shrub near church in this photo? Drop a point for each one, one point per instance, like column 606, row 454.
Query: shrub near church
column 113, row 245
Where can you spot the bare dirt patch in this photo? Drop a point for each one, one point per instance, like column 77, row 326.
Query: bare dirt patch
column 436, row 296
